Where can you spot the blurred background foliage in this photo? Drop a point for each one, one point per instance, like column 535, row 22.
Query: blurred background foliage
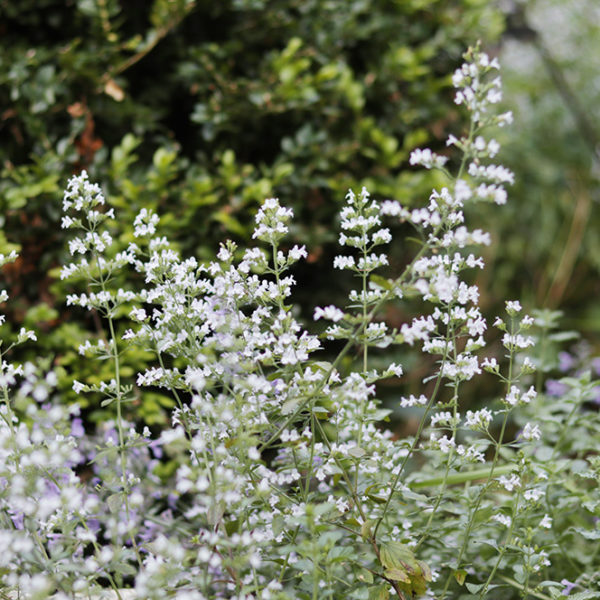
column 200, row 109
column 550, row 251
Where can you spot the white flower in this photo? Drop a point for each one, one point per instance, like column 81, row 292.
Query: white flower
column 531, row 432
column 427, row 158
column 490, row 364
column 392, row 208
column 298, row 252
column 79, row 387
column 7, row 259
column 413, row 401
column 393, row 369
column 502, row 519
column 509, row 483
column 513, row 396
column 443, row 418
column 533, row 495
column 26, row 334
column 513, row 307
column 343, row 262
column 527, row 321
column 138, row 314
column 331, row 313
column 479, row 419
column 546, row 522
column 145, row 223
column 513, row 342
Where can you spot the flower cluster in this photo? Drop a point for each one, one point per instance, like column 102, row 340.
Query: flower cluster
column 276, row 479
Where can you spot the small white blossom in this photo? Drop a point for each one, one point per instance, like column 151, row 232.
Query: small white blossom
column 509, row 483
column 546, row 522
column 531, row 432
column 331, row 313
column 502, row 519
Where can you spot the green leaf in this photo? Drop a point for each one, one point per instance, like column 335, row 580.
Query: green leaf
column 125, row 568
column 382, row 282
column 115, row 502
column 365, row 575
column 588, row 534
column 395, row 555
column 365, row 529
column 587, row 595
column 289, row 405
column 379, row 593
column 230, row 223
column 356, row 452
column 460, row 576
column 397, row 575
column 425, row 570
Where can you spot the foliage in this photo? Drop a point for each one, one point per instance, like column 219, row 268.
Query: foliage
column 550, row 256
column 198, row 110
column 281, row 483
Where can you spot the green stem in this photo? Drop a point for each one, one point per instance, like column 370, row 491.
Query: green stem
column 478, row 501
column 412, row 448
column 521, row 587
column 459, row 478
column 502, row 550
column 103, row 280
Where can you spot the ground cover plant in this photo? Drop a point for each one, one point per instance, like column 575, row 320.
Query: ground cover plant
column 276, row 478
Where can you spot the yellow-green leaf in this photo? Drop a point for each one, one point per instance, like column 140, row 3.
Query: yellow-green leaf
column 397, row 575
column 460, row 576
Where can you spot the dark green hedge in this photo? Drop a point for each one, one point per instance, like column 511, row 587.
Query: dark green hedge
column 200, row 110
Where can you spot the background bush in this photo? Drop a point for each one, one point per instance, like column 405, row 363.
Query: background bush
column 200, row 110
column 550, row 250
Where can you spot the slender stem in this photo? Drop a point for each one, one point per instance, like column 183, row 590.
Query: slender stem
column 103, row 280
column 460, row 478
column 521, row 587
column 345, row 475
column 122, row 448
column 411, row 450
column 186, row 425
column 449, row 334
column 159, row 34
column 484, row 488
column 502, row 551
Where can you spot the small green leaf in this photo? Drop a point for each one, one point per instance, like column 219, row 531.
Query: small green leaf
column 588, row 534
column 379, row 593
column 365, row 575
column 587, row 595
column 425, row 570
column 382, row 282
column 460, row 576
column 115, row 501
column 289, row 406
column 397, row 575
column 365, row 529
column 356, row 452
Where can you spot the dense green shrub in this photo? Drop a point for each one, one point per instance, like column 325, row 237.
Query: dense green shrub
column 200, row 110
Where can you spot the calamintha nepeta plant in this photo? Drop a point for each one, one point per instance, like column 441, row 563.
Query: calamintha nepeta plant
column 285, row 486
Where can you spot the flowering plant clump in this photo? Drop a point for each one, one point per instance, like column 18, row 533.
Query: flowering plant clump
column 284, row 484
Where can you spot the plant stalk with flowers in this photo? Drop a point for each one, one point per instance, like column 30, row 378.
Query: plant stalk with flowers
column 284, row 485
